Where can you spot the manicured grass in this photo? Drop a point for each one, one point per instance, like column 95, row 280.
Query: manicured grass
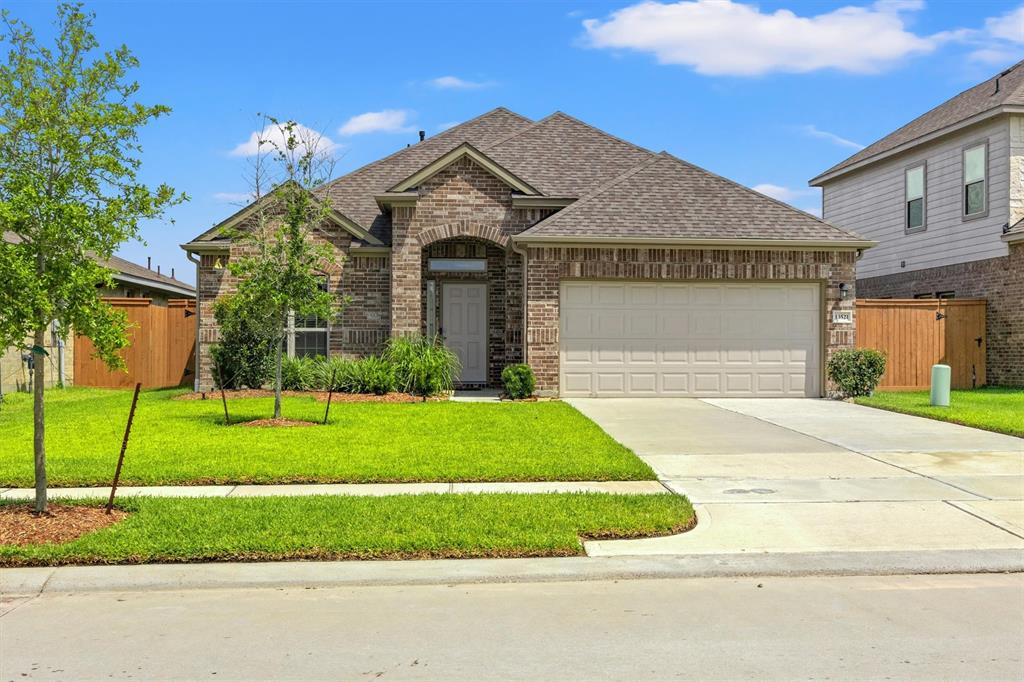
column 186, row 442
column 326, row 527
column 992, row 409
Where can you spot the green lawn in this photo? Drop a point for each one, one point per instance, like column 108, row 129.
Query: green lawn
column 993, row 409
column 186, row 442
column 326, row 527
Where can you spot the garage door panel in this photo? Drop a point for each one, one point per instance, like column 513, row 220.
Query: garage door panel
column 690, row 339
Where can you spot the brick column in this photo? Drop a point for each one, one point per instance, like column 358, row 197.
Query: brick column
column 406, row 273
column 542, row 322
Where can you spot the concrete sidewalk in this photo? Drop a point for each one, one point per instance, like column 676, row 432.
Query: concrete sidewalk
column 351, row 489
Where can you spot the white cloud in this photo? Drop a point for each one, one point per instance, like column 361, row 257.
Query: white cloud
column 781, row 193
column 813, row 131
column 233, row 197
column 274, row 135
column 1009, row 26
column 1001, row 42
column 723, row 37
column 456, row 83
column 386, row 121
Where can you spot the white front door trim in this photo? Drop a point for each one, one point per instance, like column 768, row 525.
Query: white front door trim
column 464, row 327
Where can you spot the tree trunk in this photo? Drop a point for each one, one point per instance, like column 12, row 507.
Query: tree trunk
column 277, row 379
column 38, row 423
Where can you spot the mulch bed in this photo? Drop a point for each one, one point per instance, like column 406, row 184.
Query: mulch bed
column 319, row 395
column 277, row 422
column 19, row 524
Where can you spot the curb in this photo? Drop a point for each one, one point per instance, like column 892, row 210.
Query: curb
column 311, row 575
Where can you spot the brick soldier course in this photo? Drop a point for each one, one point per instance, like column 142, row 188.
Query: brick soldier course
column 507, row 190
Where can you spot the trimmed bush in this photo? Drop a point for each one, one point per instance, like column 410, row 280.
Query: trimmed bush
column 519, row 381
column 856, row 371
column 423, row 366
column 245, row 355
column 297, row 374
column 369, row 375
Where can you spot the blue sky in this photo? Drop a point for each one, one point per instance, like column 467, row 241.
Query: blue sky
column 767, row 94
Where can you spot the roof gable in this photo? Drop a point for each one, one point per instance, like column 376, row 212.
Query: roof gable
column 666, row 199
column 987, row 98
column 334, row 216
column 462, row 151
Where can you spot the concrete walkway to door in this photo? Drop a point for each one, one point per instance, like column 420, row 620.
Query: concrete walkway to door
column 790, row 475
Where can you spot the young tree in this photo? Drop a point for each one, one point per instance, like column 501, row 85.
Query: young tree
column 281, row 266
column 69, row 190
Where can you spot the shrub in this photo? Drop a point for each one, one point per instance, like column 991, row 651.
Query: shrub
column 369, row 375
column 297, row 374
column 245, row 355
column 856, row 371
column 325, row 368
column 519, row 381
column 423, row 366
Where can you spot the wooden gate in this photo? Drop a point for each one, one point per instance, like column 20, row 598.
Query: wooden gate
column 915, row 334
column 162, row 341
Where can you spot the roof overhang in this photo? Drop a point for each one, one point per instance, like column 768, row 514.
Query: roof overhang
column 389, row 199
column 942, row 132
column 218, row 246
column 1012, row 237
column 336, row 217
column 553, row 240
column 463, row 150
column 153, row 284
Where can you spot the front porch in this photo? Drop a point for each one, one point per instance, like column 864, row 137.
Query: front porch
column 471, row 296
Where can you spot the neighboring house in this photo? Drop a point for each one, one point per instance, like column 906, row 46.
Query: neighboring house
column 610, row 269
column 944, row 198
column 130, row 281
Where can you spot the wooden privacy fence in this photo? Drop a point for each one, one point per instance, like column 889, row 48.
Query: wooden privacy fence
column 160, row 352
column 915, row 334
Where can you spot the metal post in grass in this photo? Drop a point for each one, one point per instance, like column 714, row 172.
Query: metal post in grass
column 330, row 394
column 124, row 446
column 223, row 397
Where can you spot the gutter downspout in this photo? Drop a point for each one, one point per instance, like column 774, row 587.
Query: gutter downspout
column 195, row 383
column 515, row 248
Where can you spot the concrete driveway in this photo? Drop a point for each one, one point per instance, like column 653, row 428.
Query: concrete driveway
column 819, row 476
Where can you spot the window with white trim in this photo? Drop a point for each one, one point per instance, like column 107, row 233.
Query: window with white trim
column 914, row 181
column 975, row 180
column 307, row 335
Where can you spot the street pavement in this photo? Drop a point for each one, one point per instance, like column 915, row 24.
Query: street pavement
column 837, row 628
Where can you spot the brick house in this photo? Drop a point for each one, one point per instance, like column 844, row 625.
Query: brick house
column 610, row 269
column 944, row 198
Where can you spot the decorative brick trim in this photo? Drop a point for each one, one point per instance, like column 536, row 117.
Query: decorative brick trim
column 463, row 228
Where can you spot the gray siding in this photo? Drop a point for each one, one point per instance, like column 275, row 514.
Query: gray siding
column 870, row 202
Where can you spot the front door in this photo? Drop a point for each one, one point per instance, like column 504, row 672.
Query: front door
column 464, row 327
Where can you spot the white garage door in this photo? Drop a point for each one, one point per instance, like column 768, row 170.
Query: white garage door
column 690, row 339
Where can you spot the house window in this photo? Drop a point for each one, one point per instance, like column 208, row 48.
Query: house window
column 914, row 209
column 307, row 335
column 975, row 164
column 946, row 294
column 928, row 295
column 457, row 265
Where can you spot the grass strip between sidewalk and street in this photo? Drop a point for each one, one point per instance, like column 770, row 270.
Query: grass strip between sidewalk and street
column 330, row 528
column 185, row 442
column 991, row 408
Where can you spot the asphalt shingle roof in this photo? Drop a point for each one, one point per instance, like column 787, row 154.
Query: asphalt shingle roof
column 971, row 102
column 666, row 197
column 124, row 267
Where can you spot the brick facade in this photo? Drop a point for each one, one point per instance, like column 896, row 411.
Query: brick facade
column 548, row 266
column 1000, row 281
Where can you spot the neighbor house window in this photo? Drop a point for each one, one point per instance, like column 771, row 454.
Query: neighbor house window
column 975, row 180
column 307, row 335
column 914, row 209
column 945, row 294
